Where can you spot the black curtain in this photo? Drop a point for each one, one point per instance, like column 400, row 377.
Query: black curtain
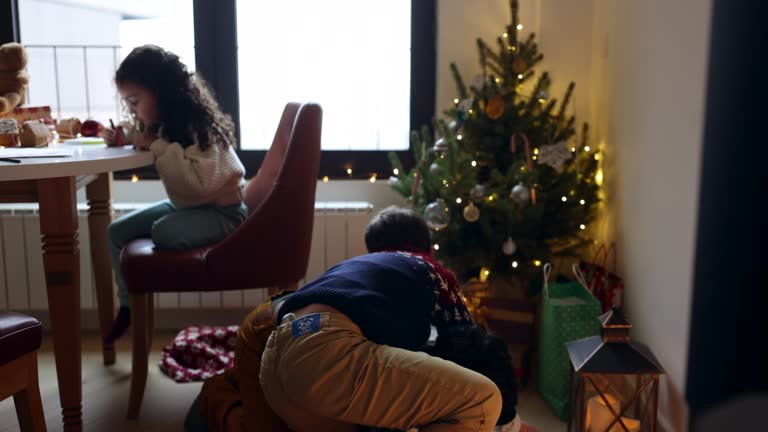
column 728, row 335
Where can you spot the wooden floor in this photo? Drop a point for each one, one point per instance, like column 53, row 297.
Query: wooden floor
column 105, row 395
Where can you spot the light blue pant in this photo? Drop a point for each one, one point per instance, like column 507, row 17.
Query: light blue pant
column 171, row 228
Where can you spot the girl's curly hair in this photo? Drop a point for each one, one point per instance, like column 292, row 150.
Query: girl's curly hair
column 185, row 104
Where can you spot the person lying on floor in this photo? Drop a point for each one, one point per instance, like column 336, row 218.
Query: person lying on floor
column 348, row 343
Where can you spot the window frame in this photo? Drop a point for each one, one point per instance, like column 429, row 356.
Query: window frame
column 216, row 60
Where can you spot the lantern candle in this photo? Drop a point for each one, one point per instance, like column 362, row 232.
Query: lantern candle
column 599, row 415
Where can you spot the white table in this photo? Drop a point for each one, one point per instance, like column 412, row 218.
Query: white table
column 53, row 183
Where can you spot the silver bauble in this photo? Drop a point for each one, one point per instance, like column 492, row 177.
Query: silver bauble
column 477, row 193
column 509, row 247
column 440, row 147
column 520, row 194
column 434, row 168
column 437, row 215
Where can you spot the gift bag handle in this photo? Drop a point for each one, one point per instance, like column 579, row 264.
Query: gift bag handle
column 605, row 252
column 547, row 270
column 580, row 277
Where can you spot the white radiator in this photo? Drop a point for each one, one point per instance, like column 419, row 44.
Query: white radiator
column 336, row 235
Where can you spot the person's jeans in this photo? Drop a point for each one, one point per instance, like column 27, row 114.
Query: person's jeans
column 319, row 373
column 194, row 422
column 171, row 228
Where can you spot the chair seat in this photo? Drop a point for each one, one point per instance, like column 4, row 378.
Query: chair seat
column 147, row 270
column 19, row 334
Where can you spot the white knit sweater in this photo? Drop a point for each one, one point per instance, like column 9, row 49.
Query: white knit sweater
column 194, row 177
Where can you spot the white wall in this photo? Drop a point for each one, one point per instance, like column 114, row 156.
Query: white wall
column 648, row 95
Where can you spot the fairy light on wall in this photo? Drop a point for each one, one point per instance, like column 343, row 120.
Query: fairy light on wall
column 519, row 76
column 373, row 178
column 395, row 171
column 458, row 200
column 455, row 100
column 436, row 246
column 564, row 199
column 514, row 264
column 325, row 179
column 134, row 178
column 582, row 226
column 459, row 137
column 349, row 171
column 519, row 26
column 582, row 202
column 537, row 263
column 473, row 163
column 587, row 148
column 599, row 177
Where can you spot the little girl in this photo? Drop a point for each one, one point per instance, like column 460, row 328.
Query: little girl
column 192, row 141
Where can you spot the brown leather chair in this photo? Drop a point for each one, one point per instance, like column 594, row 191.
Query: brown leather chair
column 20, row 337
column 270, row 249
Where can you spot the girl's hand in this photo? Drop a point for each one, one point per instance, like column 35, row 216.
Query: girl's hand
column 110, row 137
column 114, row 137
column 144, row 140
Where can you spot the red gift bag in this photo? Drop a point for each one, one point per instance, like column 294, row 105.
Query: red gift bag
column 599, row 279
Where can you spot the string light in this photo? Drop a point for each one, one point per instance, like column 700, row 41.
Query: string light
column 349, row 171
column 536, row 150
column 325, row 179
column 445, row 182
column 498, row 80
column 582, row 202
column 582, row 226
column 134, row 178
column 537, row 263
column 459, row 137
column 505, row 34
column 455, row 100
column 470, row 111
column 586, row 148
column 458, row 200
column 373, row 178
column 490, row 198
column 519, row 76
column 484, row 273
column 519, row 26
column 436, row 246
column 395, row 171
column 599, row 177
column 514, row 264
column 573, row 149
column 535, row 157
column 473, row 163
column 564, row 199
column 541, row 101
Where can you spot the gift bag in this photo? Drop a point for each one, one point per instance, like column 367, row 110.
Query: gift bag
column 602, row 282
column 568, row 312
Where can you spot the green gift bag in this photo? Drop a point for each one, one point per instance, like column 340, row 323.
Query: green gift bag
column 568, row 312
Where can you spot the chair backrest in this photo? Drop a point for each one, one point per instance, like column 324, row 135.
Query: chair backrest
column 271, row 248
column 261, row 184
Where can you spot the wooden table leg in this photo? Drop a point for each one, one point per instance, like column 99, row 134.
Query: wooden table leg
column 61, row 259
column 99, row 194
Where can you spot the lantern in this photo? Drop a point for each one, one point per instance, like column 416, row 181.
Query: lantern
column 615, row 381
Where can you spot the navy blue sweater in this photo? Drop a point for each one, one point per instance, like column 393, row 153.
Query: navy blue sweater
column 392, row 296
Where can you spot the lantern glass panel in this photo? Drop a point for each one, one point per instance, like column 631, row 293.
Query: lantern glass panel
column 600, row 399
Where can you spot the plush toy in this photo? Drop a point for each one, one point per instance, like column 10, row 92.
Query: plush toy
column 13, row 76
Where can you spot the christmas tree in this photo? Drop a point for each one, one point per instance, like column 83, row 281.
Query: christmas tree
column 504, row 180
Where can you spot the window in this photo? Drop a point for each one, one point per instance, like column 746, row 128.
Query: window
column 365, row 104
column 351, row 56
